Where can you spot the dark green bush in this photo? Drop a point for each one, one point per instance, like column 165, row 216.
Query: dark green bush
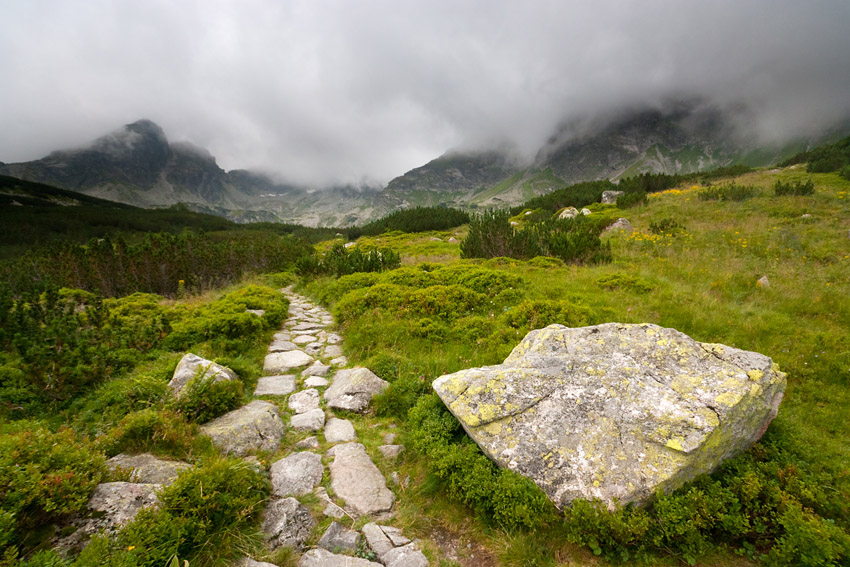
column 340, row 261
column 43, row 477
column 417, row 219
column 625, row 282
column 161, row 432
column 203, row 399
column 546, row 262
column 539, row 313
column 631, row 199
column 797, row 188
column 732, row 192
column 665, row 226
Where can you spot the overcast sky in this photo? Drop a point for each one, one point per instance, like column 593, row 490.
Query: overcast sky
column 362, row 91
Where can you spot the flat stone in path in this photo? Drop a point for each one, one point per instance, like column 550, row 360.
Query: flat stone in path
column 353, row 389
column 333, row 351
column 287, row 523
column 304, row 401
column 405, row 556
column 339, row 431
column 296, row 474
column 248, row 562
column 282, row 346
column 316, row 369
column 256, row 425
column 356, row 479
column 312, row 420
column 275, row 385
column 339, row 538
column 280, row 362
column 323, row 558
column 307, row 326
column 304, row 339
column 316, row 382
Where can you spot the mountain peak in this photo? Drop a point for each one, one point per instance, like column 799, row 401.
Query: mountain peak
column 146, row 127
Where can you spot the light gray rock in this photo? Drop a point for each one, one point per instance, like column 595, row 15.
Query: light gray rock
column 396, row 536
column 619, row 225
column 353, row 388
column 377, row 539
column 331, row 509
column 281, row 336
column 763, row 282
column 287, row 523
column 275, row 385
column 296, row 474
column 313, row 420
column 316, row 369
column 307, row 326
column 256, row 425
column 308, row 443
column 333, row 339
column 339, row 431
column 304, row 401
column 304, row 339
column 248, row 562
column 610, row 197
column 356, row 479
column 316, row 382
column 568, row 213
column 257, row 312
column 391, row 452
column 585, row 211
column 282, row 346
column 148, row 469
column 339, row 361
column 280, row 362
column 615, row 411
column 119, row 502
column 390, row 438
column 337, row 538
column 314, row 349
column 405, row 556
column 333, row 351
column 191, row 366
column 323, row 558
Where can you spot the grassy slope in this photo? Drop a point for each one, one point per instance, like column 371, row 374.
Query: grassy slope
column 704, row 284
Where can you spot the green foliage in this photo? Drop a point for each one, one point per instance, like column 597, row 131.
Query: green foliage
column 417, row 219
column 625, row 282
column 798, row 187
column 340, row 261
column 665, row 226
column 577, row 195
column 825, row 158
column 441, row 301
column 203, row 398
column 539, row 313
column 631, row 199
column 162, row 432
column 43, row 477
column 206, row 516
column 546, row 262
column 648, row 183
column 733, row 192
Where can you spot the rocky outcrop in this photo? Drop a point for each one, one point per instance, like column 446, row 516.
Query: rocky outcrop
column 191, row 366
column 255, row 426
column 353, row 389
column 615, row 411
column 287, row 523
column 147, row 469
column 610, row 197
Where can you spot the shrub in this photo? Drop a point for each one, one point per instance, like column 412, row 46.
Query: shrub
column 43, row 476
column 546, row 262
column 204, row 399
column 380, row 296
column 539, row 313
column 665, row 226
column 624, row 282
column 417, row 219
column 340, row 261
column 157, row 431
column 473, row 328
column 732, row 192
column 796, row 188
column 631, row 199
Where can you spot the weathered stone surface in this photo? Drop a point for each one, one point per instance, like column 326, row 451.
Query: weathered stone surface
column 308, row 443
column 280, row 362
column 615, row 411
column 307, row 326
column 763, row 282
column 610, row 197
column 333, row 351
column 275, row 385
column 192, row 365
column 324, row 558
column 304, row 339
column 396, row 536
column 331, row 509
column 405, row 556
column 377, row 539
column 390, row 438
column 148, row 469
column 391, row 452
column 568, row 213
column 296, row 474
column 282, row 346
column 287, row 523
column 316, row 369
column 248, row 562
column 339, row 430
column 356, row 479
column 316, row 382
column 353, row 389
column 304, row 401
column 333, row 339
column 312, row 420
column 621, row 224
column 256, row 425
column 585, row 211
column 339, row 361
column 337, row 538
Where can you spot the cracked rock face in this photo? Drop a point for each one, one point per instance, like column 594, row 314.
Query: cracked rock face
column 615, row 411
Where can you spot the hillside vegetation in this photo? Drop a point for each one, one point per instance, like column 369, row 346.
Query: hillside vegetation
column 83, row 377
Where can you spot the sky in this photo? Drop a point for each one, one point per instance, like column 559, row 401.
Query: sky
column 325, row 92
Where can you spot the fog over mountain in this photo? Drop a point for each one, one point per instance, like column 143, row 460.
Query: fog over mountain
column 330, row 93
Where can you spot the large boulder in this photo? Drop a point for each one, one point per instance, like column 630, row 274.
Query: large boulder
column 615, row 411
column 353, row 388
column 255, row 426
column 192, row 365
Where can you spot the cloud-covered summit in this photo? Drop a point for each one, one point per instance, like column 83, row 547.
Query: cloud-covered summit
column 325, row 92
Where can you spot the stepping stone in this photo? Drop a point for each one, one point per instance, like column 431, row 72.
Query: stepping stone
column 337, row 538
column 390, row 438
column 316, row 382
column 333, row 351
column 307, row 326
column 275, row 385
column 191, row 366
column 304, row 339
column 304, row 401
column 356, row 479
column 377, row 539
column 339, row 431
column 396, row 537
column 253, row 426
column 314, row 349
column 148, row 469
column 323, row 558
column 391, row 452
column 308, row 443
column 282, row 346
column 353, row 389
column 280, row 362
column 339, row 361
column 287, row 523
column 296, row 474
column 333, row 339
column 405, row 556
column 281, row 336
column 317, row 369
column 312, row 420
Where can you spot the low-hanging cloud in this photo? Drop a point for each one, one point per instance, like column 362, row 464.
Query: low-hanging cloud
column 325, row 92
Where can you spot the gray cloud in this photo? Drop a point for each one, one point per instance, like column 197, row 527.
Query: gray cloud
column 324, row 91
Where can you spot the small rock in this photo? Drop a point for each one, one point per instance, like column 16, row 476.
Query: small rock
column 275, row 385
column 391, row 452
column 405, row 556
column 568, row 213
column 192, row 365
column 763, row 282
column 323, row 558
column 339, row 431
column 390, row 438
column 621, row 224
column 316, row 382
column 256, row 425
column 585, row 211
column 296, row 474
column 396, row 537
column 304, row 401
column 333, row 339
column 306, row 327
column 339, row 361
column 452, row 239
column 333, row 351
column 287, row 523
column 282, row 346
column 610, row 197
column 248, row 562
column 313, row 349
column 280, row 362
column 148, row 469
column 353, row 389
column 312, row 420
column 377, row 539
column 806, row 216
column 337, row 538
column 308, row 443
column 317, row 369
column 257, row 312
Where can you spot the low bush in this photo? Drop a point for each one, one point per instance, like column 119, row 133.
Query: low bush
column 539, row 313
column 203, row 399
column 625, row 282
column 796, row 188
column 665, row 226
column 631, row 199
column 162, row 432
column 417, row 219
column 733, row 192
column 340, row 261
